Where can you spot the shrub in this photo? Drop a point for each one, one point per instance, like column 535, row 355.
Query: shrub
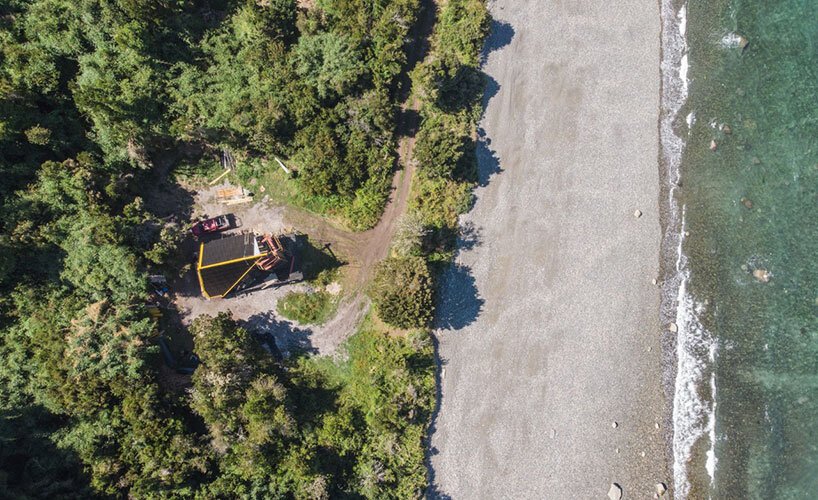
column 444, row 146
column 409, row 235
column 441, row 201
column 402, row 292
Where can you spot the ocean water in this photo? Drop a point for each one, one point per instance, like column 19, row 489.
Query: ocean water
column 746, row 383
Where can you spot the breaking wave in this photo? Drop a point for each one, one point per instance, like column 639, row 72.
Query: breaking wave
column 693, row 414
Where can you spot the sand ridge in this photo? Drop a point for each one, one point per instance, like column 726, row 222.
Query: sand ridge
column 549, row 321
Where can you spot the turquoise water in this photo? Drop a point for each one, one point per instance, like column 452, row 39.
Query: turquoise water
column 752, row 205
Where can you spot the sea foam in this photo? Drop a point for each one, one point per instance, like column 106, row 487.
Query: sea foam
column 693, row 415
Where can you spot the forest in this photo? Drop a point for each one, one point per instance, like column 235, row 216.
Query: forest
column 97, row 96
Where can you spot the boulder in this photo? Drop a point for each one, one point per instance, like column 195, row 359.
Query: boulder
column 762, row 275
column 743, row 42
column 637, row 214
column 713, row 145
column 615, row 492
column 672, row 327
column 747, row 202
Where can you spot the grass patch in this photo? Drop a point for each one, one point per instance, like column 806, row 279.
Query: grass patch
column 318, row 306
column 308, row 308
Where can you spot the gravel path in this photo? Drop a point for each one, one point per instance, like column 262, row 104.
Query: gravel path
column 549, row 326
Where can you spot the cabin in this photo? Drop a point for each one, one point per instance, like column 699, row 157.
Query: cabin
column 247, row 261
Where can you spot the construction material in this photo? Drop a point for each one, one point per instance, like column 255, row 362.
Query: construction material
column 282, row 166
column 217, row 179
column 227, row 193
column 236, row 201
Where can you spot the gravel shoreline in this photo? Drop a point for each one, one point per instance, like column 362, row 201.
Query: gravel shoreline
column 549, row 323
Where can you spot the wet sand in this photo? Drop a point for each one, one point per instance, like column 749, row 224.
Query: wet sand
column 549, row 324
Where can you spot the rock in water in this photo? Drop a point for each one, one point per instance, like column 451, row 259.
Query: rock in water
column 762, row 275
column 747, row 202
column 672, row 327
column 615, row 492
column 743, row 42
column 713, row 145
column 726, row 129
column 661, row 489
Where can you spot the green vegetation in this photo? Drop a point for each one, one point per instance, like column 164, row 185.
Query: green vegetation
column 308, row 308
column 402, row 292
column 96, row 96
column 315, row 428
column 450, row 86
column 319, row 305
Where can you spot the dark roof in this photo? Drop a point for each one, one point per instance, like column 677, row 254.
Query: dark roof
column 217, row 281
column 223, row 263
column 227, row 249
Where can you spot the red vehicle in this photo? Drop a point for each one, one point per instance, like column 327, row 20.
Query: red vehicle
column 212, row 225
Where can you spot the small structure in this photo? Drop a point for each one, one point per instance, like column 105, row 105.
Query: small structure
column 243, row 261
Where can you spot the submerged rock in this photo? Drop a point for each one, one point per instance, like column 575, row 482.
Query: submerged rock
column 713, row 145
column 726, row 129
column 615, row 492
column 661, row 489
column 747, row 202
column 762, row 275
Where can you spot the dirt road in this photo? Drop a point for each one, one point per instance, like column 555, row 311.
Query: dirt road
column 549, row 336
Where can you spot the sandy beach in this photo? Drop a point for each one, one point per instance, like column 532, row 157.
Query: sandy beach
column 549, row 329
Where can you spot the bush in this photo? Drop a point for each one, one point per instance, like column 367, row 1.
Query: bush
column 441, row 146
column 402, row 292
column 409, row 235
column 441, row 201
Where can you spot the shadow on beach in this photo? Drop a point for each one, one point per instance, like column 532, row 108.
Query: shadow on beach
column 459, row 300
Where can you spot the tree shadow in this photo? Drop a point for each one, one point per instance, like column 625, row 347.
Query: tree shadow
column 433, row 491
column 500, row 35
column 31, row 465
column 290, row 340
column 488, row 164
column 469, row 236
column 317, row 259
column 460, row 303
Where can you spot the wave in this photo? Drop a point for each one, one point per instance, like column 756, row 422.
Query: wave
column 693, row 415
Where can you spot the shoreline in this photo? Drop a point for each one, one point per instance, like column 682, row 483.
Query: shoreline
column 687, row 350
column 556, row 387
